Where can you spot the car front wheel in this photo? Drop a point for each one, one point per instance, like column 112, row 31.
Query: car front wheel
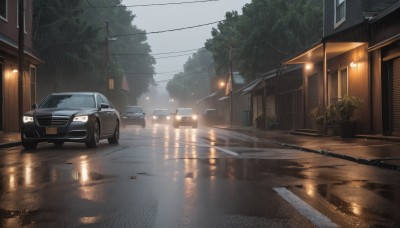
column 95, row 139
column 115, row 138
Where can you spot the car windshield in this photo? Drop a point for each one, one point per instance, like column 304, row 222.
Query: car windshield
column 184, row 111
column 133, row 110
column 69, row 101
column 160, row 112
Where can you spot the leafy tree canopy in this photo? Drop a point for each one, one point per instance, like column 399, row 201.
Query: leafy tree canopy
column 194, row 82
column 70, row 37
column 266, row 33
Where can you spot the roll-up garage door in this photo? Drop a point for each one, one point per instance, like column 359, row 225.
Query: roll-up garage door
column 312, row 99
column 396, row 97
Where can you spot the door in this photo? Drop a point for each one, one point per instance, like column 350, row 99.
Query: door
column 391, row 97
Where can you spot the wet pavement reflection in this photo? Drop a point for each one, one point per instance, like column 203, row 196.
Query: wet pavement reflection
column 165, row 177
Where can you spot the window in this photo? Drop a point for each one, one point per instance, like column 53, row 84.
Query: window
column 337, row 85
column 340, row 11
column 3, row 9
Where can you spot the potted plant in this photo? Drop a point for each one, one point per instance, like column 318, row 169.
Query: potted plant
column 344, row 110
column 272, row 123
column 261, row 121
column 318, row 115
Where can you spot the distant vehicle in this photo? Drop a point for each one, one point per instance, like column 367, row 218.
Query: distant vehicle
column 184, row 117
column 211, row 117
column 160, row 116
column 71, row 117
column 134, row 115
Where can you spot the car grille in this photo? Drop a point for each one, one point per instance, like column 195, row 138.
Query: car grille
column 52, row 120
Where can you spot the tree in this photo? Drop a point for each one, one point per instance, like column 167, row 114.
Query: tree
column 194, row 82
column 70, row 38
column 266, row 33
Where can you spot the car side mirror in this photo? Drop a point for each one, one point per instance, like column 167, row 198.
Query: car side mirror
column 103, row 105
column 34, row 106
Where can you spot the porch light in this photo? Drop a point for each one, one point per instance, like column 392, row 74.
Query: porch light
column 14, row 69
column 221, row 84
column 353, row 65
column 308, row 66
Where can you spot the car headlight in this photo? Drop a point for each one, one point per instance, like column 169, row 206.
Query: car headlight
column 27, row 119
column 81, row 119
column 194, row 117
column 168, row 117
column 155, row 117
column 178, row 117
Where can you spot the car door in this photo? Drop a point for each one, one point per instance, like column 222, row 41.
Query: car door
column 104, row 116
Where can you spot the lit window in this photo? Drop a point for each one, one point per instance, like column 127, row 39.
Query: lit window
column 340, row 11
column 337, row 85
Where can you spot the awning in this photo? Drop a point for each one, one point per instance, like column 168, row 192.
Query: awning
column 207, row 97
column 315, row 54
column 247, row 89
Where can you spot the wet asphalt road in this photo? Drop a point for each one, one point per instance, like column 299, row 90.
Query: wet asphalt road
column 165, row 177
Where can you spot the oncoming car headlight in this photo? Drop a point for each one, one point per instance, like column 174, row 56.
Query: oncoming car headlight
column 194, row 117
column 27, row 119
column 155, row 117
column 81, row 118
column 178, row 117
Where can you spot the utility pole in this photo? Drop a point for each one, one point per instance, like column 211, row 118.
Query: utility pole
column 21, row 18
column 231, row 84
column 107, row 67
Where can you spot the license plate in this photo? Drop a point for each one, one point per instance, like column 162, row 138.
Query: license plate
column 51, row 130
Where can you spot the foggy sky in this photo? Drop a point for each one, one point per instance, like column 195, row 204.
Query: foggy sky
column 159, row 18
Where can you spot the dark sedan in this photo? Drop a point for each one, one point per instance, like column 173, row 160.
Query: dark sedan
column 71, row 117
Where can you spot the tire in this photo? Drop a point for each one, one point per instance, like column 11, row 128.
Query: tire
column 115, row 138
column 29, row 145
column 95, row 138
column 144, row 125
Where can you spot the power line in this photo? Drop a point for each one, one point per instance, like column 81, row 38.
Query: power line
column 169, row 30
column 153, row 54
column 139, row 5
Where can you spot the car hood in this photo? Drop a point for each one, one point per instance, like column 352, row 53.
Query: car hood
column 60, row 112
column 133, row 114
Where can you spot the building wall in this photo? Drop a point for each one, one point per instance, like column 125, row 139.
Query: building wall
column 353, row 16
column 358, row 81
column 376, row 96
column 9, row 27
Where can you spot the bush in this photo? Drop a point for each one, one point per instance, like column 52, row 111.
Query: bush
column 345, row 107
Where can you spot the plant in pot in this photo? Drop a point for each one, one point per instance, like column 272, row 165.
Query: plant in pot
column 344, row 110
column 272, row 123
column 261, row 121
column 318, row 115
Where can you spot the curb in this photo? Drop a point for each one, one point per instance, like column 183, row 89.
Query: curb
column 375, row 162
column 10, row 144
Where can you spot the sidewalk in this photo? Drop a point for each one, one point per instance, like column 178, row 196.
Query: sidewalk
column 377, row 151
column 10, row 139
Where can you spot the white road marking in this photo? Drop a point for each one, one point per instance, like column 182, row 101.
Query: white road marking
column 227, row 151
column 318, row 219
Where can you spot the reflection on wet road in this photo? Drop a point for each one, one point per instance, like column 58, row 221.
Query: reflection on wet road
column 206, row 177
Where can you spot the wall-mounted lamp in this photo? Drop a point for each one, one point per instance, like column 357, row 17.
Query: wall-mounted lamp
column 308, row 66
column 14, row 69
column 353, row 65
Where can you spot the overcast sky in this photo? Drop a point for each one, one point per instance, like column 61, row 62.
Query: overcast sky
column 159, row 18
column 167, row 17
